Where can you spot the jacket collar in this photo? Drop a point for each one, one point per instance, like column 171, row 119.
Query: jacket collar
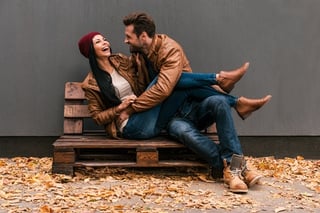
column 155, row 46
column 113, row 60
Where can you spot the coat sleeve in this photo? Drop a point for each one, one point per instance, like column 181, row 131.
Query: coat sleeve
column 169, row 74
column 97, row 109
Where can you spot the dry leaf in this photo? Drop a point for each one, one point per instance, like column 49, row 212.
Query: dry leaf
column 45, row 209
column 280, row 209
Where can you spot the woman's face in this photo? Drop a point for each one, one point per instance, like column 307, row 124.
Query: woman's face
column 101, row 46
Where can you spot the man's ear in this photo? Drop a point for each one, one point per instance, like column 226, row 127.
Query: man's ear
column 144, row 36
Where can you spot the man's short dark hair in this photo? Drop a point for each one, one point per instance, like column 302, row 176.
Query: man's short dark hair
column 142, row 22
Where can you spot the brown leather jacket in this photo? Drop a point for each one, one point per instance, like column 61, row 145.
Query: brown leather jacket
column 170, row 61
column 101, row 115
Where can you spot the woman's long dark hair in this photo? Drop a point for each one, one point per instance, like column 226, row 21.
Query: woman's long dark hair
column 104, row 81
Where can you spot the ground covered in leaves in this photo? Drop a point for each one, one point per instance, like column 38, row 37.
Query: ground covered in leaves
column 27, row 185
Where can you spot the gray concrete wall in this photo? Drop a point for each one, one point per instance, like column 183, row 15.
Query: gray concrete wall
column 280, row 38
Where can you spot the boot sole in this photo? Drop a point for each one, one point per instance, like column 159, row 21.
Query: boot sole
column 236, row 190
column 254, row 181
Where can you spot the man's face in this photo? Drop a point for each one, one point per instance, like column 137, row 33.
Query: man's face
column 134, row 42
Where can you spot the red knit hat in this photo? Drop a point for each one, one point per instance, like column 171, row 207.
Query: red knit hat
column 85, row 42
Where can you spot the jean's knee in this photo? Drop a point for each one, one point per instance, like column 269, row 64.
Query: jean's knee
column 139, row 132
column 177, row 126
column 217, row 99
column 217, row 102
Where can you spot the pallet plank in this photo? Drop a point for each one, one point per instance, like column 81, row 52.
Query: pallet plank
column 134, row 164
column 73, row 91
column 73, row 126
column 76, row 111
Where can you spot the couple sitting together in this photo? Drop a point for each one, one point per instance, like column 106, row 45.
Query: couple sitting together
column 154, row 89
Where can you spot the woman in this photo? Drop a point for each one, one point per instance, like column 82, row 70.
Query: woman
column 116, row 81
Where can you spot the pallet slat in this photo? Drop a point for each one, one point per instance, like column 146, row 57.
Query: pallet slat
column 72, row 126
column 73, row 91
column 76, row 111
column 133, row 164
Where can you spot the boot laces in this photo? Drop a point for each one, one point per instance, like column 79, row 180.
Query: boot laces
column 236, row 172
column 244, row 169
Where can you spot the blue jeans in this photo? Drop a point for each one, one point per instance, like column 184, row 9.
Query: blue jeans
column 142, row 125
column 196, row 116
column 149, row 123
column 191, row 80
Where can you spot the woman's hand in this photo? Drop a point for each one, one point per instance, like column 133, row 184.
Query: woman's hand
column 126, row 102
column 123, row 114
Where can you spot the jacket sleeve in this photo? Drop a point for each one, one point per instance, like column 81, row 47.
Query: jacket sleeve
column 97, row 109
column 169, row 74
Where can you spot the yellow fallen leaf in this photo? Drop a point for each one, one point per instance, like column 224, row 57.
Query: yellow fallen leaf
column 205, row 178
column 118, row 207
column 300, row 158
column 280, row 209
column 45, row 209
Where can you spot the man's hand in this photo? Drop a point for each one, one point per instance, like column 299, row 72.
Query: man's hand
column 137, row 59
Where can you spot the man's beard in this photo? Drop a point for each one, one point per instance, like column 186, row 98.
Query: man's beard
column 134, row 49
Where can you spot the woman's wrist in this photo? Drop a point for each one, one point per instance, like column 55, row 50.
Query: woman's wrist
column 117, row 110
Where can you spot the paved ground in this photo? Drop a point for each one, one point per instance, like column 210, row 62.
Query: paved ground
column 27, row 185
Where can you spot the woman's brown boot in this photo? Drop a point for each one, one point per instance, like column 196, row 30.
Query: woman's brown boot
column 227, row 79
column 246, row 106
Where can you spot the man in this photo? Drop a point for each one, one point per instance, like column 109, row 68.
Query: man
column 166, row 58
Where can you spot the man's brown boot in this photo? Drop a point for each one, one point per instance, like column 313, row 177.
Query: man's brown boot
column 227, row 79
column 246, row 106
column 250, row 177
column 232, row 178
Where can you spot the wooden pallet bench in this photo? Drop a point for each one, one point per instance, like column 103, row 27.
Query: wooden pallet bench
column 83, row 145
